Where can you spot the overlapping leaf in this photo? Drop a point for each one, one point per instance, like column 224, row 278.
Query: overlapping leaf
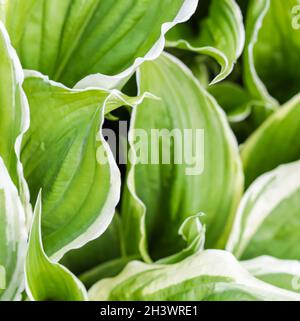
column 268, row 219
column 272, row 50
column 234, row 99
column 66, row 155
column 275, row 142
column 244, row 112
column 13, row 237
column 191, row 231
column 221, row 36
column 14, row 197
column 107, row 269
column 97, row 252
column 171, row 177
column 72, row 39
column 209, row 275
column 14, row 115
column 47, row 280
column 281, row 273
column 159, row 196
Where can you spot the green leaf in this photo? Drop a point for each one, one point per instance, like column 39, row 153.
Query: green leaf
column 13, row 237
column 159, row 196
column 105, row 270
column 208, row 276
column 72, row 162
column 14, row 115
column 281, row 273
column 14, row 14
column 268, row 221
column 105, row 248
column 14, row 120
column 193, row 233
column 275, row 142
column 221, row 36
column 244, row 112
column 234, row 99
column 72, row 39
column 272, row 50
column 47, row 280
column 2, row 277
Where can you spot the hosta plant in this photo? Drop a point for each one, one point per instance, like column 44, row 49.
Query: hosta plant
column 149, row 150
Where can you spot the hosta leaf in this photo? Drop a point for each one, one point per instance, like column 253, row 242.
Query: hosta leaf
column 72, row 162
column 221, row 36
column 71, row 39
column 14, row 114
column 282, row 273
column 268, row 218
column 274, row 143
column 15, row 14
column 105, row 248
column 244, row 112
column 13, row 236
column 160, row 195
column 209, row 275
column 105, row 270
column 272, row 50
column 47, row 280
column 234, row 99
column 193, row 233
column 2, row 277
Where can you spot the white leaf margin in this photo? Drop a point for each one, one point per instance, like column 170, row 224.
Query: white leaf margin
column 211, row 263
column 2, row 277
column 16, row 224
column 104, row 81
column 75, row 279
column 263, row 196
column 268, row 265
column 217, row 54
column 23, row 187
column 99, row 226
column 130, row 182
column 262, row 91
